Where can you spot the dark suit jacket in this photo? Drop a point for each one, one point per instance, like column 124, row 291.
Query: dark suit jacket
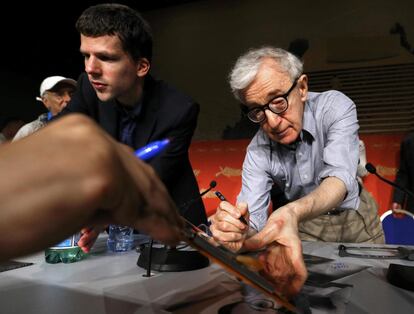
column 405, row 174
column 165, row 113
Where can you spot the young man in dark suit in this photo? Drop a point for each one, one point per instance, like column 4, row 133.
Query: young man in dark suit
column 117, row 91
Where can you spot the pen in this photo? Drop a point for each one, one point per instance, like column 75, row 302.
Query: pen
column 152, row 149
column 221, row 197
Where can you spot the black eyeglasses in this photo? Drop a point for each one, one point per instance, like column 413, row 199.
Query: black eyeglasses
column 277, row 105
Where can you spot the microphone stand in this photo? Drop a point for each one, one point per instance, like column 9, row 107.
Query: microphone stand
column 148, row 274
column 166, row 259
column 371, row 169
column 171, row 259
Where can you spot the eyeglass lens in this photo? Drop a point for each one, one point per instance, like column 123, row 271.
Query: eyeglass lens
column 277, row 105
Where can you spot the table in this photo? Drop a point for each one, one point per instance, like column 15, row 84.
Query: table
column 371, row 293
column 112, row 283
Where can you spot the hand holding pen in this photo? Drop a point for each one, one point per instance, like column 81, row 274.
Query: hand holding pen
column 108, row 184
column 228, row 226
column 152, row 150
column 222, row 198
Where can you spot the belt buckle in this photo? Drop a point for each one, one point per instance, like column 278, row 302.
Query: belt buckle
column 334, row 212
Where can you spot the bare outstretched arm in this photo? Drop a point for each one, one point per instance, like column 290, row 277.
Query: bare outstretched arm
column 69, row 175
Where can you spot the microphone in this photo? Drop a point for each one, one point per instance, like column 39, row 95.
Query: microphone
column 186, row 205
column 371, row 169
column 212, row 185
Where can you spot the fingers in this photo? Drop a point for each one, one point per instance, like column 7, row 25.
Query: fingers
column 268, row 235
column 227, row 218
column 158, row 203
column 395, row 206
column 285, row 267
column 134, row 195
column 146, row 203
column 88, row 238
column 283, row 260
column 225, row 224
column 160, row 229
column 223, row 234
column 397, row 210
column 226, row 227
column 86, row 230
column 157, row 214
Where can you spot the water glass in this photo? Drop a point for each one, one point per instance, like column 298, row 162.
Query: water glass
column 120, row 239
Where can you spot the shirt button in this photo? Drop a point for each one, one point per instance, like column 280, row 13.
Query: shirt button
column 287, row 185
column 305, row 176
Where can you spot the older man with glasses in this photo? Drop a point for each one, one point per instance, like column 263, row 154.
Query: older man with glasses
column 307, row 145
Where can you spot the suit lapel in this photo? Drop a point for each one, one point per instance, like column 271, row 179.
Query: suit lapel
column 148, row 117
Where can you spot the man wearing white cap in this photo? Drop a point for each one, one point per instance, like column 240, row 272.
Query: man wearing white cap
column 55, row 93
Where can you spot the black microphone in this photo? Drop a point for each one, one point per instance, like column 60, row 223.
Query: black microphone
column 186, row 205
column 371, row 169
column 212, row 185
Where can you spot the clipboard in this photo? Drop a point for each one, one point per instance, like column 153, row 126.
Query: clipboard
column 243, row 267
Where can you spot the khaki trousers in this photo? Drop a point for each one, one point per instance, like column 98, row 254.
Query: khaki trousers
column 350, row 226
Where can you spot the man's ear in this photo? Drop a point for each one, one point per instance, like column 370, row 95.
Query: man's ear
column 303, row 87
column 143, row 67
column 45, row 102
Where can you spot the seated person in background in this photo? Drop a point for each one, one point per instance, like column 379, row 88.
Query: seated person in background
column 308, row 146
column 405, row 176
column 55, row 93
column 9, row 126
column 118, row 92
column 90, row 180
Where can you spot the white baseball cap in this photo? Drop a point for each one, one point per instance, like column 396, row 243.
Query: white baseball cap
column 50, row 82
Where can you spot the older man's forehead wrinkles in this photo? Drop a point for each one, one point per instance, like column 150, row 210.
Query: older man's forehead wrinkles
column 269, row 82
column 258, row 91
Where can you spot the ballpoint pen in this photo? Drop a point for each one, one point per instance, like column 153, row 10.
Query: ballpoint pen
column 152, row 149
column 221, row 197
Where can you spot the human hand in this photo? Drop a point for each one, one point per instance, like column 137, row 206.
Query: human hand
column 88, row 238
column 142, row 201
column 108, row 183
column 395, row 206
column 226, row 227
column 73, row 174
column 396, row 210
column 283, row 260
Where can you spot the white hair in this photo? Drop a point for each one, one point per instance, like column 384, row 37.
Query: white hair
column 247, row 66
